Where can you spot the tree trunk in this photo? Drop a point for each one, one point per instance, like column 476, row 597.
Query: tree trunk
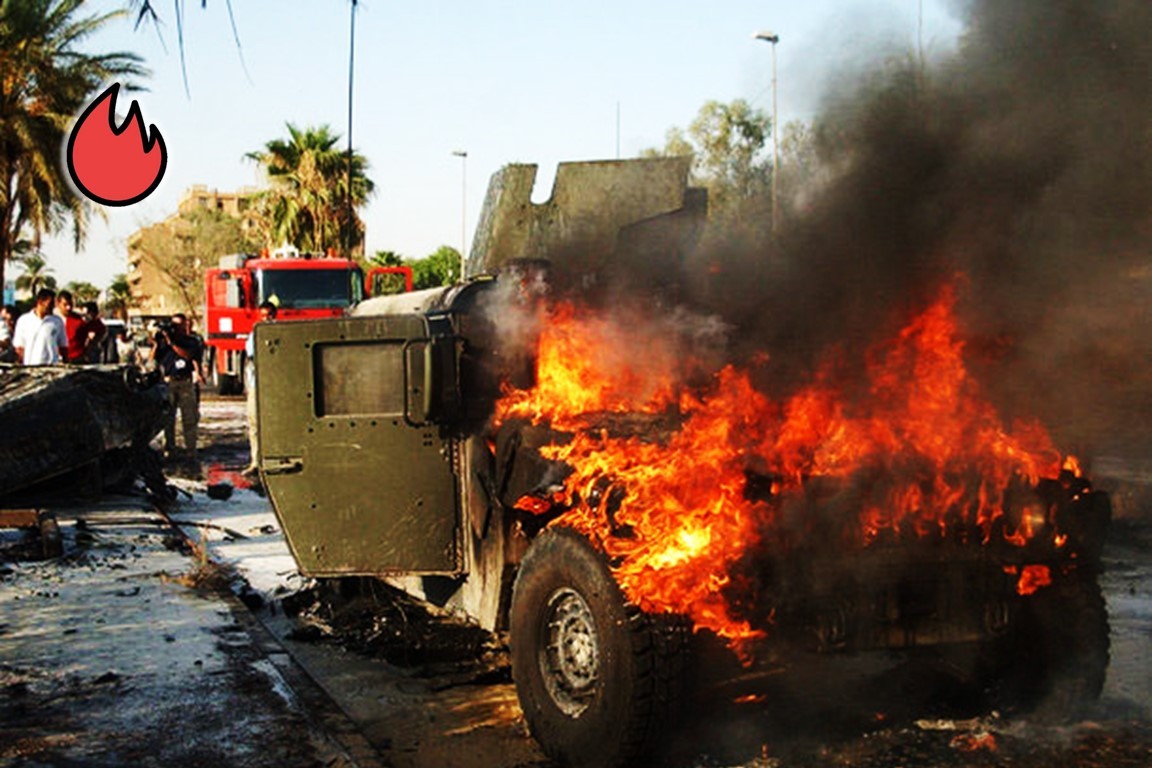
column 9, row 234
column 6, row 241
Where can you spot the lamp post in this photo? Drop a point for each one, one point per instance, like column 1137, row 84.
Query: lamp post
column 350, row 231
column 463, row 207
column 773, row 38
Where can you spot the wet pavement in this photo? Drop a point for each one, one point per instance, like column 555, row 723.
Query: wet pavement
column 120, row 653
column 138, row 649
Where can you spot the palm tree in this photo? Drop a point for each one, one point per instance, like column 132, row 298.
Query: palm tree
column 46, row 81
column 37, row 274
column 307, row 203
column 118, row 297
column 82, row 291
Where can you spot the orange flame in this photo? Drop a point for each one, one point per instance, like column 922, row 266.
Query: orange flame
column 973, row 742
column 672, row 510
column 1032, row 578
column 113, row 165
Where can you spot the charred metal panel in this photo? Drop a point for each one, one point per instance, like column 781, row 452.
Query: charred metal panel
column 358, row 488
column 603, row 218
column 58, row 418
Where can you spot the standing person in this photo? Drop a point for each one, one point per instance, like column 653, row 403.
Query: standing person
column 190, row 329
column 267, row 315
column 40, row 338
column 72, row 322
column 7, row 325
column 91, row 334
column 177, row 354
column 126, row 350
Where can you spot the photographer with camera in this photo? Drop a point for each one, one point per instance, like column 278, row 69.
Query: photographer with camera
column 178, row 355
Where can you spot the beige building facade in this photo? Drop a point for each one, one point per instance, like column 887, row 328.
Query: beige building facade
column 154, row 292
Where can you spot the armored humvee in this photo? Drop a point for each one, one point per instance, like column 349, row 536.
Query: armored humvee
column 378, row 456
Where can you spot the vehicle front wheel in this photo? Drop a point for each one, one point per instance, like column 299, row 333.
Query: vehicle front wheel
column 1054, row 661
column 597, row 678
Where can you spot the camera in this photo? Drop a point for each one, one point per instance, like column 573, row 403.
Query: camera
column 165, row 330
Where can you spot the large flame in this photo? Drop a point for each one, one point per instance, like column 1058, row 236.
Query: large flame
column 672, row 507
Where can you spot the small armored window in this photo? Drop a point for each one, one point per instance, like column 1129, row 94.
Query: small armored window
column 359, row 379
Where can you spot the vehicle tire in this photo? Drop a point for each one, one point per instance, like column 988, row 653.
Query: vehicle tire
column 598, row 679
column 1055, row 660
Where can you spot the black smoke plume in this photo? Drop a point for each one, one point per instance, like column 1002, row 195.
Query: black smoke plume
column 1022, row 162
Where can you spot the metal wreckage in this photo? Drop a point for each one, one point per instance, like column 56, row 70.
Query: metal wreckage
column 77, row 430
column 511, row 449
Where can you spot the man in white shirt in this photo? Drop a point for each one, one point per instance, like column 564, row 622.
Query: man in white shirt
column 39, row 337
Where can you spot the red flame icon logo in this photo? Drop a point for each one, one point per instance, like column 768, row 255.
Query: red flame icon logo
column 112, row 165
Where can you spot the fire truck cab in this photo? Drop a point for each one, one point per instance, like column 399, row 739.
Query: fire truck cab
column 301, row 285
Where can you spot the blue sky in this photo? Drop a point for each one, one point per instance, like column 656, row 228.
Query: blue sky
column 504, row 80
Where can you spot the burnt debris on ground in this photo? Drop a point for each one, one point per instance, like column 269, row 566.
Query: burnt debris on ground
column 372, row 618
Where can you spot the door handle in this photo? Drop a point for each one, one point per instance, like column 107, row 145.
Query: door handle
column 287, row 465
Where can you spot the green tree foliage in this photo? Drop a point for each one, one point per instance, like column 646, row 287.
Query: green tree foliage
column 798, row 159
column 46, row 80
column 82, row 291
column 118, row 297
column 386, row 259
column 728, row 145
column 731, row 149
column 388, row 283
column 181, row 248
column 439, row 268
column 307, row 202
column 36, row 275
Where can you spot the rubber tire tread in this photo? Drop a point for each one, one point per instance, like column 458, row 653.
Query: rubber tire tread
column 623, row 726
column 1058, row 659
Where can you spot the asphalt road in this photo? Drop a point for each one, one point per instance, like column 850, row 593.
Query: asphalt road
column 113, row 655
column 852, row 712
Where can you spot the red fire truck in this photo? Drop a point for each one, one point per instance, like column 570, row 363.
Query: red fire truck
column 303, row 286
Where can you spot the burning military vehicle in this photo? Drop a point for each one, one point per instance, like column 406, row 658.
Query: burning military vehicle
column 559, row 450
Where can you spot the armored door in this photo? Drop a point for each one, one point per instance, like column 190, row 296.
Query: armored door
column 360, row 483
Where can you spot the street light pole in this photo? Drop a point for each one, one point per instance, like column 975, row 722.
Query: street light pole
column 463, row 207
column 774, row 39
column 349, row 233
